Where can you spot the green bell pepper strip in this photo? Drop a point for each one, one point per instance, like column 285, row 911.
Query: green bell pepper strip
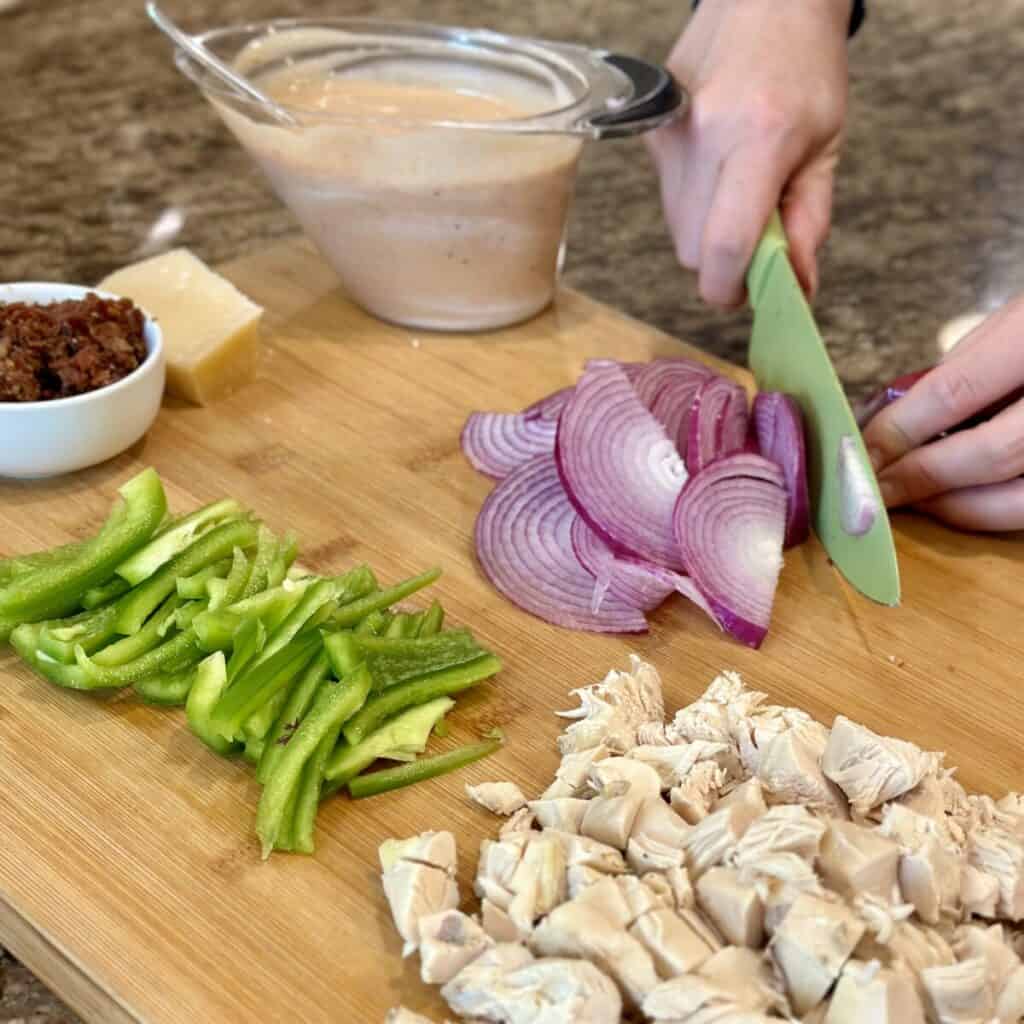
column 355, row 611
column 96, row 597
column 344, row 653
column 167, row 545
column 334, row 703
column 21, row 565
column 375, row 624
column 253, row 749
column 307, row 797
column 211, row 679
column 91, row 631
column 395, row 660
column 227, row 591
column 419, row 771
column 266, row 549
column 322, row 592
column 25, row 640
column 193, row 588
column 404, row 625
column 129, row 648
column 433, row 620
column 262, row 720
column 286, row 836
column 408, row 731
column 248, row 642
column 139, row 603
column 285, row 554
column 300, row 697
column 216, row 630
column 178, row 652
column 257, row 685
column 56, row 590
column 384, row 705
column 169, row 690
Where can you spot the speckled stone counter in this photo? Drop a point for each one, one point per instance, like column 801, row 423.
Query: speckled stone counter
column 107, row 154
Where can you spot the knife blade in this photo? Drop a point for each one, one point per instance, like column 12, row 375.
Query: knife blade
column 788, row 354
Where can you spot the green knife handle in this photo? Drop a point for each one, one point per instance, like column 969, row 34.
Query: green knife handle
column 773, row 242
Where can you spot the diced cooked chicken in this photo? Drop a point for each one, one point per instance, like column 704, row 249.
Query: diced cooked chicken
column 747, row 976
column 538, row 883
column 675, row 885
column 927, row 798
column 675, row 762
column 692, row 998
column 959, row 993
column 778, row 878
column 712, row 716
column 572, row 777
column 909, row 947
column 623, row 785
column 929, row 869
column 621, row 898
column 872, row 993
column 1000, row 854
column 562, row 813
column 414, row 891
column 644, row 854
column 673, row 940
column 790, row 768
column 577, row 930
column 979, row 892
column 434, row 848
column 693, row 797
column 579, row 877
column 855, row 861
column 519, row 821
column 753, row 733
column 586, row 852
column 496, row 865
column 502, row 798
column 810, row 947
column 717, row 836
column 611, row 712
column 656, row 820
column 448, row 941
column 733, row 908
column 1010, row 1001
column 750, row 794
column 989, row 943
column 787, row 828
column 871, row 769
column 497, row 924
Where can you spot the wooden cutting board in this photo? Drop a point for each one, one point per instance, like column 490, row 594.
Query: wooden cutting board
column 130, row 879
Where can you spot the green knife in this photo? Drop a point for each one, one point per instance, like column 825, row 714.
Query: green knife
column 787, row 354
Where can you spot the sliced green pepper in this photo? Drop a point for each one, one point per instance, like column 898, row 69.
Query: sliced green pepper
column 216, row 630
column 138, row 604
column 433, row 620
column 405, row 625
column 344, row 653
column 25, row 640
column 394, row 660
column 21, row 565
column 227, row 591
column 262, row 720
column 253, row 750
column 285, row 554
column 248, row 642
column 130, row 647
column 382, row 706
column 407, row 732
column 96, row 597
column 300, row 697
column 258, row 684
column 355, row 611
column 211, row 679
column 57, row 589
column 375, row 624
column 419, row 771
column 90, row 631
column 322, row 592
column 193, row 588
column 266, row 549
column 178, row 652
column 334, row 703
column 286, row 834
column 167, row 690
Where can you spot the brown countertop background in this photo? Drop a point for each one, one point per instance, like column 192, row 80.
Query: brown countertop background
column 107, row 154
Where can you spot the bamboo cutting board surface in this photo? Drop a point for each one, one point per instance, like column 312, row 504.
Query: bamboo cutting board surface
column 130, row 879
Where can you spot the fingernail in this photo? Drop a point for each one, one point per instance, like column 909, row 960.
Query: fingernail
column 893, row 493
column 877, row 459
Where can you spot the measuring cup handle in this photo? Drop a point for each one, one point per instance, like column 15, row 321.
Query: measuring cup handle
column 656, row 97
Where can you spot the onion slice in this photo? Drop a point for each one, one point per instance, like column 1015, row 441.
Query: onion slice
column 668, row 387
column 730, row 522
column 620, row 470
column 718, row 422
column 496, row 443
column 524, row 543
column 550, row 406
column 779, row 425
column 858, row 503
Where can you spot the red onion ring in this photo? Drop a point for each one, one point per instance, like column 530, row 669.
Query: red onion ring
column 779, row 425
column 496, row 443
column 718, row 421
column 668, row 387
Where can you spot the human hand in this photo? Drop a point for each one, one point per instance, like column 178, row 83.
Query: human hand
column 972, row 478
column 767, row 84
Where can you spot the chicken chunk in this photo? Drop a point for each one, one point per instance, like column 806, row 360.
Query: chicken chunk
column 502, row 798
column 787, row 828
column 693, row 797
column 717, row 836
column 871, row 769
column 870, row 992
column 810, row 947
column 1000, row 854
column 959, row 993
column 623, row 785
column 562, row 813
column 790, row 768
column 674, row 762
column 676, row 946
column 448, row 942
column 734, row 909
column 856, row 861
column 747, row 976
column 434, row 848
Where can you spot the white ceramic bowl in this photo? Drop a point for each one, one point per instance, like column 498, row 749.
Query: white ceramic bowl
column 41, row 439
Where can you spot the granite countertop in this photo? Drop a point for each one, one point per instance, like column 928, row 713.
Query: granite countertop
column 115, row 156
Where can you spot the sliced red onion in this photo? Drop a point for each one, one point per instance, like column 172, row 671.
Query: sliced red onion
column 779, row 425
column 524, row 543
column 620, row 470
column 731, row 521
column 718, row 421
column 858, row 503
column 550, row 407
column 668, row 387
column 496, row 443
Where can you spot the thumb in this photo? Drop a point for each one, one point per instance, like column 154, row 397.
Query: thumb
column 806, row 216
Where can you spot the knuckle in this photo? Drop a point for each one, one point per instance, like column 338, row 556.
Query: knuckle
column 955, row 393
column 768, row 116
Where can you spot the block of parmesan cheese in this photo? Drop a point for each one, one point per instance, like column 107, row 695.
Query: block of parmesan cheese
column 210, row 329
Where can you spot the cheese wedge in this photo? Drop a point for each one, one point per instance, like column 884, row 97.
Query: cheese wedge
column 210, row 329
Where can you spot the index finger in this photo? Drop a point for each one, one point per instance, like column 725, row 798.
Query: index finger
column 965, row 383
